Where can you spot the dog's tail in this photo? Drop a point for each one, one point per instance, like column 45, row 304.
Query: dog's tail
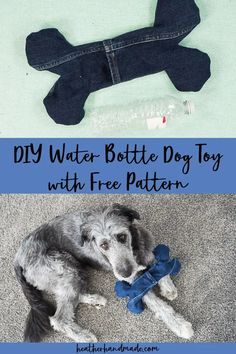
column 37, row 323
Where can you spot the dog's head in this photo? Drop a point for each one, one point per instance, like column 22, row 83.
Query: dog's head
column 111, row 234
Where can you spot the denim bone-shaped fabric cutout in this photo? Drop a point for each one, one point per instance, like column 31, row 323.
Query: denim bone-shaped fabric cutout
column 87, row 68
column 163, row 266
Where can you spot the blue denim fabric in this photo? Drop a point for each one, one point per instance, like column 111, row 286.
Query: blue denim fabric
column 87, row 68
column 149, row 279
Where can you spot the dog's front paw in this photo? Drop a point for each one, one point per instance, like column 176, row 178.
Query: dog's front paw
column 100, row 302
column 184, row 329
column 93, row 299
column 187, row 331
column 169, row 294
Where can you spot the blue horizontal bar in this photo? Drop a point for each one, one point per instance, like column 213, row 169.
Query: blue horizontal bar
column 165, row 348
column 118, row 166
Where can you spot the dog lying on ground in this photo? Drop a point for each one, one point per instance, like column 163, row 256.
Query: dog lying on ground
column 53, row 260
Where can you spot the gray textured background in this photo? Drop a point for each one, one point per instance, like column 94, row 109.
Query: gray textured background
column 200, row 230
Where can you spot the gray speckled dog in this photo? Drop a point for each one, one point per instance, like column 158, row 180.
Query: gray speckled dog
column 53, row 260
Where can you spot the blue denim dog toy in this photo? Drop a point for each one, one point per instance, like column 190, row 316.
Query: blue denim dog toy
column 149, row 279
column 89, row 67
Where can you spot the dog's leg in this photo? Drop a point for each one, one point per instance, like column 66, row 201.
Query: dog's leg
column 66, row 286
column 168, row 289
column 175, row 322
column 64, row 320
column 92, row 299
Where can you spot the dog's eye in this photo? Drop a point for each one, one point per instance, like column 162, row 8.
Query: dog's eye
column 105, row 246
column 122, row 238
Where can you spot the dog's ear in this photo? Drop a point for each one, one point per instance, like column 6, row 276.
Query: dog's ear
column 142, row 244
column 85, row 233
column 128, row 213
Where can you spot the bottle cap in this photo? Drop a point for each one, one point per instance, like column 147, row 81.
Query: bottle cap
column 189, row 107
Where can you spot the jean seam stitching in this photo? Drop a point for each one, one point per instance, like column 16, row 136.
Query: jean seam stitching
column 108, row 47
column 111, row 48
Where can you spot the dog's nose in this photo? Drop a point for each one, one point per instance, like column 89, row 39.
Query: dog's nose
column 125, row 270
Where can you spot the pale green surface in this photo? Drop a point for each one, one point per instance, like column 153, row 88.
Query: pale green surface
column 22, row 88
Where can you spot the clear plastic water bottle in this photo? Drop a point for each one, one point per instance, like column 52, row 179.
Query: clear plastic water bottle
column 151, row 114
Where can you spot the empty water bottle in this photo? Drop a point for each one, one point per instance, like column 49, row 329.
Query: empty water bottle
column 145, row 114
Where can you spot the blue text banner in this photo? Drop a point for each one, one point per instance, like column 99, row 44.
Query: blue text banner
column 119, row 166
column 116, row 348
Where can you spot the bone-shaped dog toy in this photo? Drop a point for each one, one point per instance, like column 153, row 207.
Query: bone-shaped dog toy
column 89, row 67
column 163, row 266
